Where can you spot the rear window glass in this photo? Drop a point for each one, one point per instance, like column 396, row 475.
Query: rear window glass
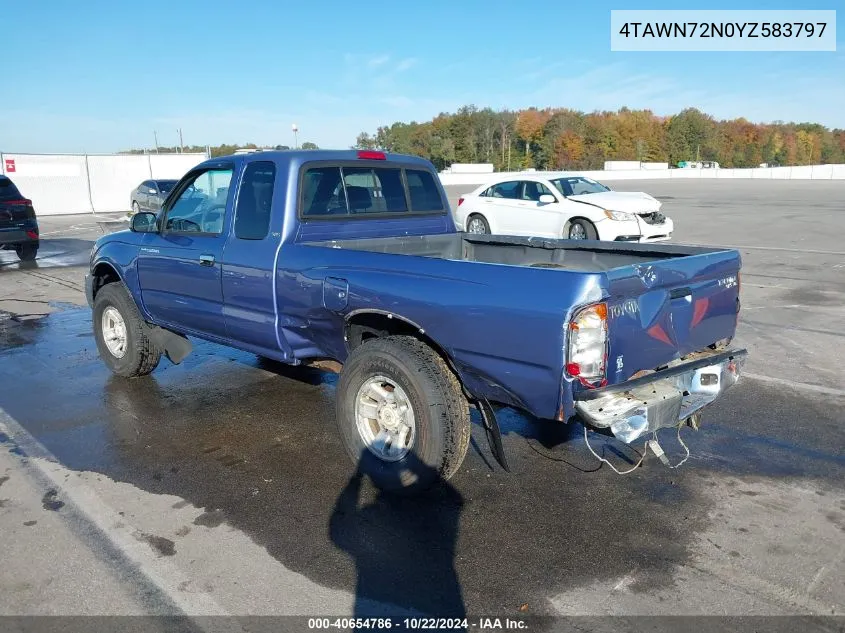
column 425, row 195
column 354, row 191
column 8, row 191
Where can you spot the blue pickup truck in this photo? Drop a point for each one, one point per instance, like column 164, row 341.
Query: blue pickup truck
column 351, row 261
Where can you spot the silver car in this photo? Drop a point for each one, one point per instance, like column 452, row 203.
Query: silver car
column 150, row 195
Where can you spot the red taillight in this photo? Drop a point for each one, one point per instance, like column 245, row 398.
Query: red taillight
column 33, row 235
column 371, row 155
column 573, row 369
column 460, row 201
column 23, row 201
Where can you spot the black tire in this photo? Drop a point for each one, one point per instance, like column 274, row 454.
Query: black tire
column 141, row 356
column 585, row 225
column 26, row 252
column 482, row 219
column 440, row 410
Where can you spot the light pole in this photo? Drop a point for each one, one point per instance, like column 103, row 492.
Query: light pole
column 295, row 141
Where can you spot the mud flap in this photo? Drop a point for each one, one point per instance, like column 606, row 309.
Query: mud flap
column 494, row 434
column 176, row 346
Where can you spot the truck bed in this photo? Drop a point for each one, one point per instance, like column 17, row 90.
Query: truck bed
column 582, row 256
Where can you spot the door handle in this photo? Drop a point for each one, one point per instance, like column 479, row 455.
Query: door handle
column 207, row 260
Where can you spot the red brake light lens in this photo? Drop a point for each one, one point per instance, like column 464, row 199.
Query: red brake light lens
column 371, row 155
column 460, row 200
column 23, row 201
column 586, row 357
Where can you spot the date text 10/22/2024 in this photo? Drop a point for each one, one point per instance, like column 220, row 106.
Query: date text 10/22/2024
column 423, row 624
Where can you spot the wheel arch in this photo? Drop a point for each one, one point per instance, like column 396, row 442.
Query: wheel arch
column 483, row 216
column 361, row 325
column 568, row 222
column 103, row 273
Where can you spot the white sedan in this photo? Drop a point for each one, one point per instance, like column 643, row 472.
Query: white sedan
column 561, row 206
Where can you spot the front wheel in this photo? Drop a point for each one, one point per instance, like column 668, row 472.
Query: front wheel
column 120, row 333
column 401, row 414
column 581, row 230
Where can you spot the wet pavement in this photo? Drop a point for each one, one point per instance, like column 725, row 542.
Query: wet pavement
column 52, row 253
column 254, row 444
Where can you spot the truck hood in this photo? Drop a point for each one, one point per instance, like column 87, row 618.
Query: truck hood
column 627, row 201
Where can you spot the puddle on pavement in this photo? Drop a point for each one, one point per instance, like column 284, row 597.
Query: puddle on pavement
column 254, row 442
column 52, row 253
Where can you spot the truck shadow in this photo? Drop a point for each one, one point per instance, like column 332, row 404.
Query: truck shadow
column 403, row 548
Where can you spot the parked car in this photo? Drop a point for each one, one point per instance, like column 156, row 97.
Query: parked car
column 18, row 224
column 561, row 206
column 294, row 262
column 150, row 194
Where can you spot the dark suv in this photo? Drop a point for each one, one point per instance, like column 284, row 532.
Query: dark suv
column 18, row 225
column 150, row 194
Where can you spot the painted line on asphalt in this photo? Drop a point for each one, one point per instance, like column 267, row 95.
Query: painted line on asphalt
column 765, row 248
column 828, row 391
column 161, row 573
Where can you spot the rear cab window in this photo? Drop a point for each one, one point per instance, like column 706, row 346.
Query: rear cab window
column 8, row 190
column 351, row 190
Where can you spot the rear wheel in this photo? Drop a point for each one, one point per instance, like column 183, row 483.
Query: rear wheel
column 581, row 230
column 26, row 252
column 401, row 414
column 478, row 224
column 120, row 333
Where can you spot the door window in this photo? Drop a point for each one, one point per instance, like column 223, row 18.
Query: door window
column 532, row 190
column 200, row 206
column 255, row 197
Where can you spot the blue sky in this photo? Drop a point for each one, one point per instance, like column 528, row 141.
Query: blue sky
column 101, row 76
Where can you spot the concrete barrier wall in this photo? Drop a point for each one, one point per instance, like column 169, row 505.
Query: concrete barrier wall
column 64, row 184
column 807, row 172
column 60, row 184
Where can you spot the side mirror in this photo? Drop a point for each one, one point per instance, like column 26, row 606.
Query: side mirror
column 143, row 222
column 547, row 198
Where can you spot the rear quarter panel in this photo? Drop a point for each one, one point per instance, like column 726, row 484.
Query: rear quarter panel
column 502, row 326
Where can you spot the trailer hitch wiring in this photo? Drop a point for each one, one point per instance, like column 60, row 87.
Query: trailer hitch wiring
column 652, row 444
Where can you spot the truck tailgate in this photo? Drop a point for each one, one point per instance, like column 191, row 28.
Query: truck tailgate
column 666, row 309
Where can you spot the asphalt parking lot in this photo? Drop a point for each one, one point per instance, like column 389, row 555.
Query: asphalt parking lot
column 219, row 485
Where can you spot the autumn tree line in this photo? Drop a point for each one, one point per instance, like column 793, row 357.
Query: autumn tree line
column 560, row 138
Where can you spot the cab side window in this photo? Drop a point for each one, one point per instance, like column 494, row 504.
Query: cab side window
column 255, row 199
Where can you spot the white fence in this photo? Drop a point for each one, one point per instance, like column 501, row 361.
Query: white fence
column 65, row 183
column 81, row 183
column 807, row 172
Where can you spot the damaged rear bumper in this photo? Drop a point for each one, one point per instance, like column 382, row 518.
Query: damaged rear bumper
column 660, row 399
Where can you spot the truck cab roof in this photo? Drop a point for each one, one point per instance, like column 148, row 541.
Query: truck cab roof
column 296, row 157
